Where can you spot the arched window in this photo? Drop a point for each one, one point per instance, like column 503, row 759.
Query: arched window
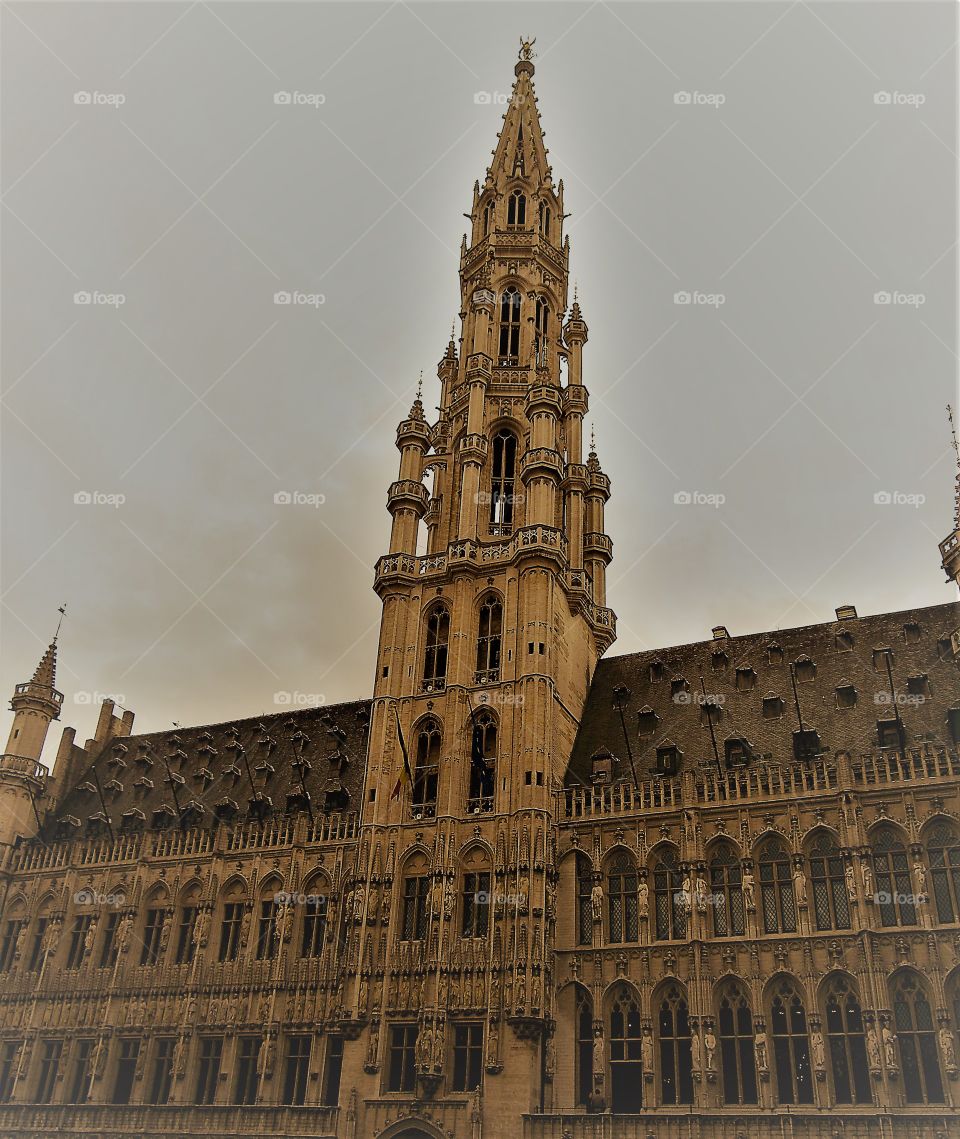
column 626, row 1062
column 509, row 354
column 892, row 875
column 791, row 1045
column 669, row 904
column 517, row 209
column 776, row 889
column 490, row 633
column 544, row 211
column 541, row 332
column 622, row 905
column 831, row 907
column 916, row 1039
column 725, row 885
column 267, row 929
column 231, row 924
column 435, row 653
column 483, row 760
column 735, row 1027
column 584, row 1057
column 846, row 1044
column 503, row 482
column 487, row 217
column 186, row 920
column 943, row 852
column 314, row 919
column 676, row 1063
column 584, row 900
column 426, row 773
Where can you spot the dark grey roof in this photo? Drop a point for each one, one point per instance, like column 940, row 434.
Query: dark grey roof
column 212, row 765
column 741, row 671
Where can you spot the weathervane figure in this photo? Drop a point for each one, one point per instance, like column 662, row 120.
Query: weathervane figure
column 526, row 48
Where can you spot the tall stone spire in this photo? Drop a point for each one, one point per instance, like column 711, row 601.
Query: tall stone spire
column 950, row 546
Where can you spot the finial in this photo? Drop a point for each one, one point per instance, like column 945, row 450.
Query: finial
column 956, row 450
column 453, row 329
column 63, row 609
column 576, row 291
column 593, row 438
column 526, row 49
column 420, row 385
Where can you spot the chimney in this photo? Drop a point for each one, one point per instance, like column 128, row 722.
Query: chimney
column 846, row 612
column 720, row 632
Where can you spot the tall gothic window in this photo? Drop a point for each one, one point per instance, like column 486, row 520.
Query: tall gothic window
column 426, row 773
column 725, row 885
column 484, row 728
column 541, row 331
column 892, row 877
column 676, row 1063
column 622, row 903
column 791, row 1045
column 517, row 208
column 626, row 1064
column 509, row 353
column 416, row 889
column 584, row 1074
column 503, row 482
column 831, row 907
column 776, row 889
column 487, row 217
column 584, row 900
column 735, row 1025
column 917, row 1040
column 668, row 900
column 943, row 851
column 314, row 922
column 845, row 1042
column 544, row 211
column 435, row 653
column 490, row 636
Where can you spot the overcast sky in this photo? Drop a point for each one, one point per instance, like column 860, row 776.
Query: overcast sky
column 782, row 164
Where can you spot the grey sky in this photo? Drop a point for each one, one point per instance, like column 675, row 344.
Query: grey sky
column 799, row 398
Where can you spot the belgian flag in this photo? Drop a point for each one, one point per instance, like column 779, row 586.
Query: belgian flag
column 405, row 778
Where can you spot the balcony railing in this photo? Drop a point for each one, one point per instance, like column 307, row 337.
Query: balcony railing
column 136, row 1119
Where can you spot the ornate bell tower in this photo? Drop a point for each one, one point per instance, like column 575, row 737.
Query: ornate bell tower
column 494, row 617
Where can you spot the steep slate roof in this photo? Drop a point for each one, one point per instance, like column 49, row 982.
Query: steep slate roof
column 332, row 741
column 682, row 722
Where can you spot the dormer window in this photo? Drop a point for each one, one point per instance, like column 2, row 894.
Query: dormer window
column 843, row 642
column 805, row 670
column 772, row 707
column 737, row 752
column 746, row 680
column 720, row 661
column 710, row 713
column 846, row 695
column 656, row 671
column 668, row 760
column 517, row 209
column 601, row 766
column 806, row 744
column 918, row 685
column 911, row 633
column 880, row 658
column 647, row 721
column 953, row 724
column 774, row 653
column 890, row 734
column 679, row 688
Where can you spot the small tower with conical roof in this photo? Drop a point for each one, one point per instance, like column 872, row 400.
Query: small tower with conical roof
column 35, row 703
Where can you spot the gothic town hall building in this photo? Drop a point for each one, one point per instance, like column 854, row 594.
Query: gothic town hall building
column 711, row 890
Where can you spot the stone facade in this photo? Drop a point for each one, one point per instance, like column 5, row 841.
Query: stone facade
column 523, row 889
